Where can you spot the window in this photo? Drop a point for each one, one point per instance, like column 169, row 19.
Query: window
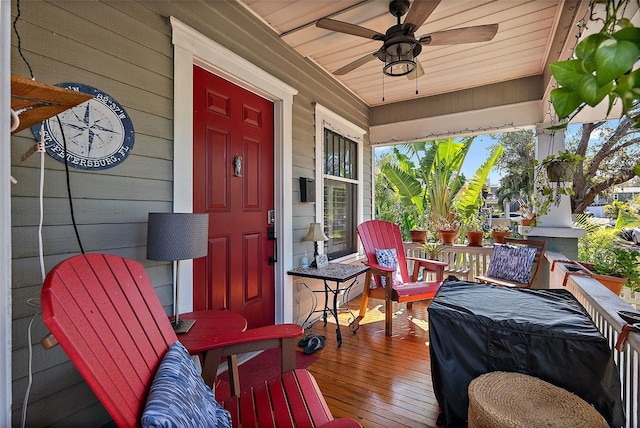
column 339, row 145
column 340, row 194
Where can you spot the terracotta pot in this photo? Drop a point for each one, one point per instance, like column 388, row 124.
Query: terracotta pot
column 527, row 221
column 448, row 236
column 419, row 236
column 498, row 237
column 613, row 283
column 474, row 238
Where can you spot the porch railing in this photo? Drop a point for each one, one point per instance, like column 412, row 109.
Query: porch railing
column 463, row 261
column 601, row 304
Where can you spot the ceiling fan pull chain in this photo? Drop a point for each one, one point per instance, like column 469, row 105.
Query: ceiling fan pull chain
column 416, row 79
column 382, row 87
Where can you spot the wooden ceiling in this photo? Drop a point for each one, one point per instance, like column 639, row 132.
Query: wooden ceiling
column 530, row 35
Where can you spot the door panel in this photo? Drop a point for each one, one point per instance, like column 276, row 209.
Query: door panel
column 234, row 128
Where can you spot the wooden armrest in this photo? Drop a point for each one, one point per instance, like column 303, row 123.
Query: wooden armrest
column 429, row 265
column 377, row 269
column 270, row 332
column 429, row 261
column 229, row 345
column 502, row 282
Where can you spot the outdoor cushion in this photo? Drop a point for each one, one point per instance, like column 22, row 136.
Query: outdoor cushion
column 180, row 398
column 511, row 263
column 389, row 259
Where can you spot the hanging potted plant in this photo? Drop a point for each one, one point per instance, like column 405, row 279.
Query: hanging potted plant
column 553, row 177
column 561, row 167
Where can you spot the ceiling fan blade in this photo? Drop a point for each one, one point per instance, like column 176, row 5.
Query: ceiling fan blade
column 418, row 13
column 480, row 33
column 417, row 72
column 345, row 27
column 355, row 64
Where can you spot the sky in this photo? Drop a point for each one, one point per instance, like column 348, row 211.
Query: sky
column 478, row 153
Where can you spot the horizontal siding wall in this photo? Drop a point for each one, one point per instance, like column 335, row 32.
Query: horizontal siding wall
column 124, row 48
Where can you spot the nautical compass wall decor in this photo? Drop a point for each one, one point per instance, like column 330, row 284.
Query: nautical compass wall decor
column 99, row 132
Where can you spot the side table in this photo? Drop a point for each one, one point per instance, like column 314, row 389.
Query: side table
column 334, row 272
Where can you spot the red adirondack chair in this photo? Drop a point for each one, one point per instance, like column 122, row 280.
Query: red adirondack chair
column 104, row 312
column 383, row 235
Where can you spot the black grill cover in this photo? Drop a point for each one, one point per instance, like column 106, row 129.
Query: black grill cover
column 477, row 328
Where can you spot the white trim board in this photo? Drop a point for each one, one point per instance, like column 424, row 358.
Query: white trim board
column 351, row 131
column 487, row 121
column 5, row 204
column 193, row 48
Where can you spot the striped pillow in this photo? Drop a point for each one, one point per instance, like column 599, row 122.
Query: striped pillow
column 180, row 398
column 389, row 259
column 511, row 263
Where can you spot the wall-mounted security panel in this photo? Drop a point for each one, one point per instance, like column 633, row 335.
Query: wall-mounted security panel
column 307, row 189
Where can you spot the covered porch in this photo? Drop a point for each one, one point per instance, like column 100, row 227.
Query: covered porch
column 147, row 65
column 396, row 371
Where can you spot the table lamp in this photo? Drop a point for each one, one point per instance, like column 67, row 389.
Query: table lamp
column 175, row 237
column 315, row 234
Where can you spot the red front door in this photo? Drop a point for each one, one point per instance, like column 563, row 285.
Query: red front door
column 233, row 182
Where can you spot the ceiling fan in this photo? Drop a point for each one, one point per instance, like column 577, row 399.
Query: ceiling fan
column 400, row 47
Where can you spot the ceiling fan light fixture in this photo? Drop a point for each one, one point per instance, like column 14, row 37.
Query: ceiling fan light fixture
column 399, row 55
column 399, row 67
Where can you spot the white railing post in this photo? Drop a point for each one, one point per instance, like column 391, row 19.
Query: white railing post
column 603, row 307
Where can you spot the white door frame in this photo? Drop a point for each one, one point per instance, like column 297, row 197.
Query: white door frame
column 193, row 48
column 5, row 206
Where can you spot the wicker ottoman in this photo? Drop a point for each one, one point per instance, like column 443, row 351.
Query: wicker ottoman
column 515, row 400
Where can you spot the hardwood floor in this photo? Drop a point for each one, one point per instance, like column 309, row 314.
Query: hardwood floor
column 377, row 380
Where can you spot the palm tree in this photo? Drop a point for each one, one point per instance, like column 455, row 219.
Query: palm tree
column 428, row 179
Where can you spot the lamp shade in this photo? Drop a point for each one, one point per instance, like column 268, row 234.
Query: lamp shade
column 177, row 236
column 316, row 233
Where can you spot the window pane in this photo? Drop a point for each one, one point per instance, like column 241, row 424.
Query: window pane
column 340, row 218
column 340, row 156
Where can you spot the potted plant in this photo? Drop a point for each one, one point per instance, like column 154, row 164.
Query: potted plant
column 428, row 180
column 526, row 212
column 600, row 253
column 499, row 232
column 448, row 227
column 473, row 227
column 561, row 167
column 553, row 177
column 431, row 250
column 415, row 221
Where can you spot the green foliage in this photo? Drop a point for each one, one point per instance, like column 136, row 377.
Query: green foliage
column 432, row 250
column 429, row 186
column 547, row 192
column 602, row 67
column 603, row 248
column 470, row 201
column 516, row 164
column 617, row 208
column 474, row 222
column 388, row 205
